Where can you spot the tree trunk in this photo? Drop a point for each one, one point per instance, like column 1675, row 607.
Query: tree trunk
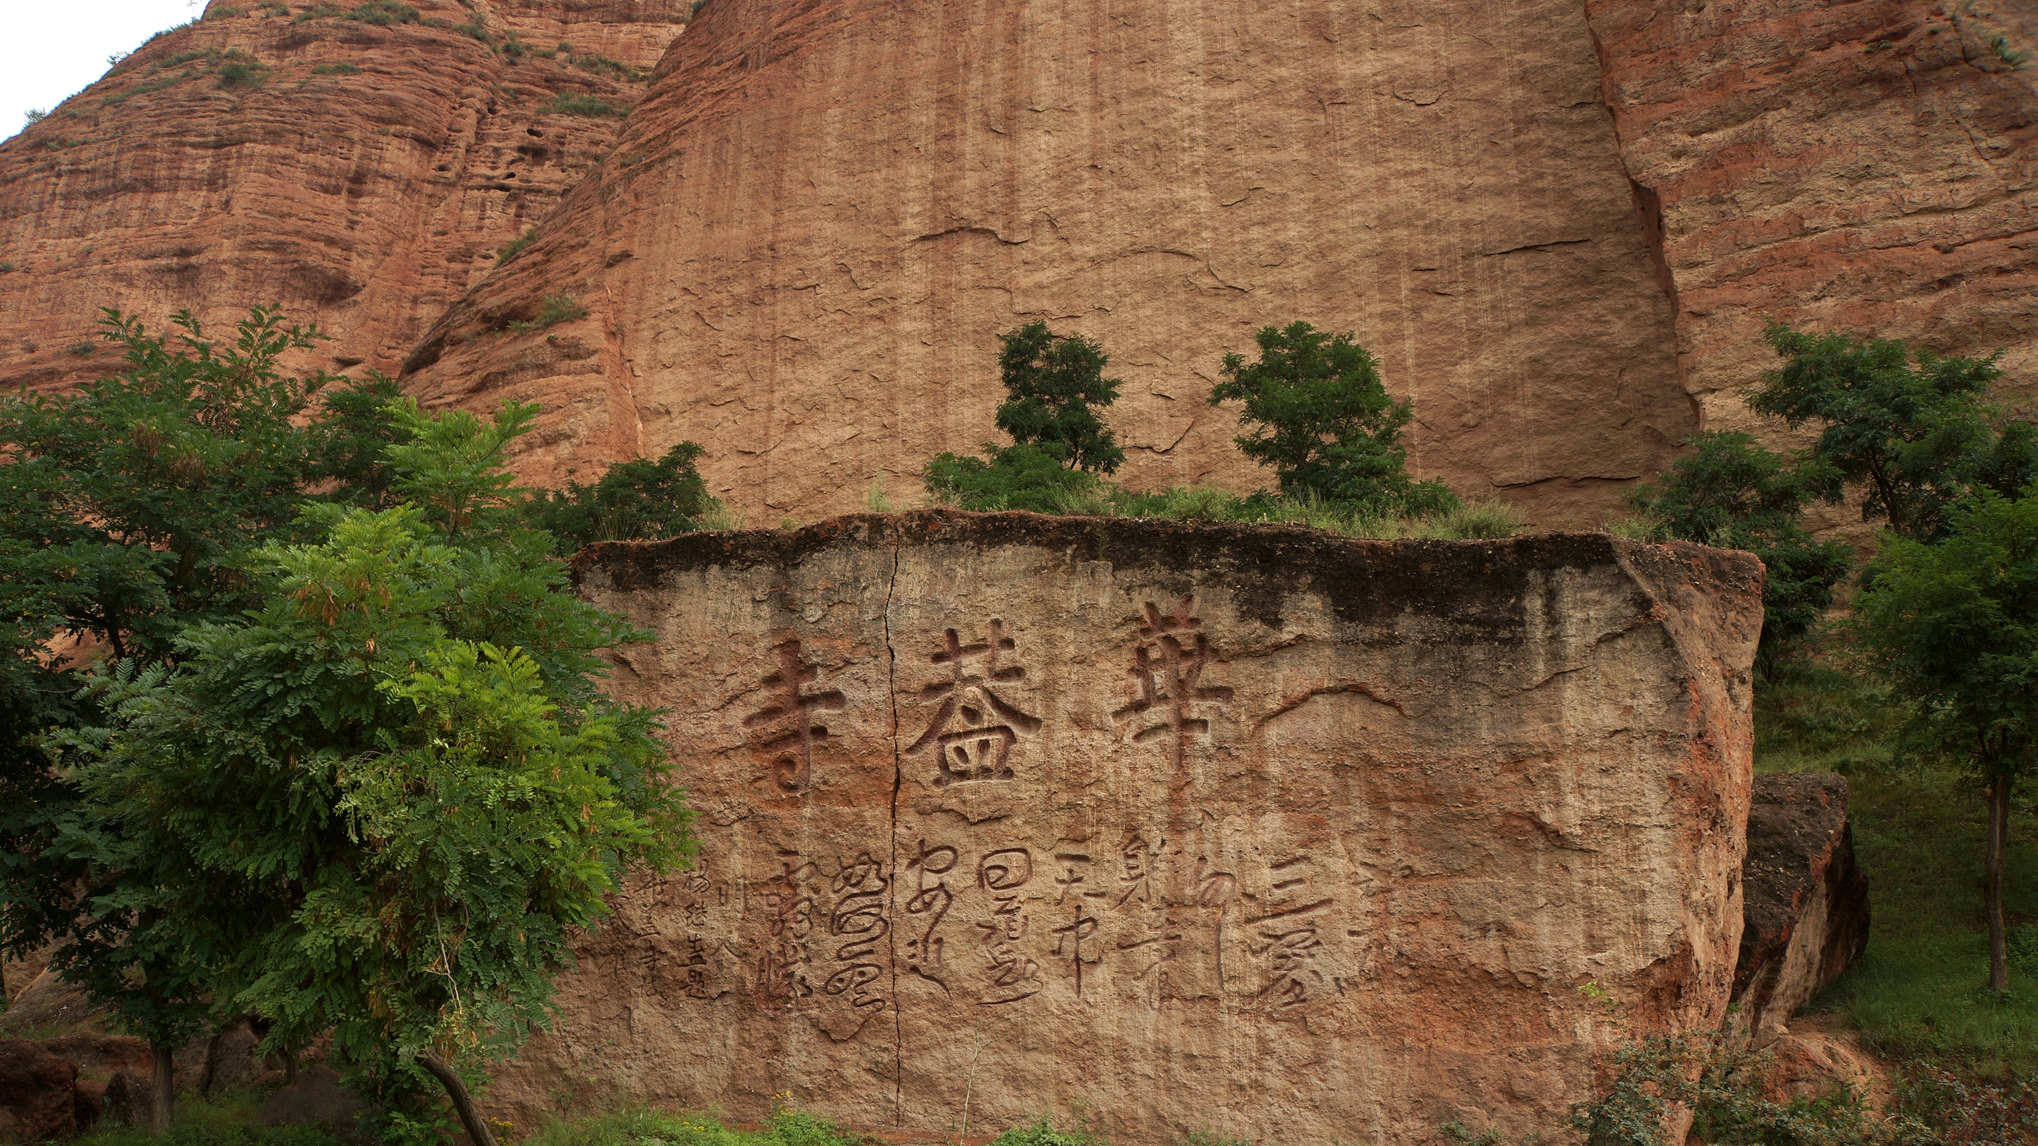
column 463, row 1103
column 289, row 1064
column 162, row 1088
column 1992, row 885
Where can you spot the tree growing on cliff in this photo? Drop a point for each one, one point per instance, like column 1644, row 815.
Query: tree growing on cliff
column 1914, row 432
column 380, row 804
column 1054, row 386
column 1954, row 626
column 635, row 500
column 1054, row 390
column 1732, row 493
column 1317, row 412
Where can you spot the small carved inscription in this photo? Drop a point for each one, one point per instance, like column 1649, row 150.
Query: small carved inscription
column 788, row 729
column 974, row 728
column 1013, row 976
column 930, row 902
column 1168, row 660
column 1285, row 934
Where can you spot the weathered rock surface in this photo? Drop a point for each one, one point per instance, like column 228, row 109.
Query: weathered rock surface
column 1866, row 166
column 814, row 227
column 364, row 182
column 827, row 209
column 38, row 1093
column 1805, row 901
column 1218, row 828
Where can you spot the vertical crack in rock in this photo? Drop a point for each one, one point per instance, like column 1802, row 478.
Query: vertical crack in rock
column 898, row 773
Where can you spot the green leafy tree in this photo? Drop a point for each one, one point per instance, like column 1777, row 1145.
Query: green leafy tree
column 1731, row 493
column 132, row 505
column 1954, row 626
column 380, row 805
column 1913, row 432
column 637, row 499
column 1054, row 386
column 1318, row 413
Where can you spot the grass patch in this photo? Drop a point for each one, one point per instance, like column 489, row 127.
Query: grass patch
column 571, row 103
column 1087, row 495
column 232, row 68
column 597, row 64
column 555, row 309
column 644, row 1128
column 1919, row 994
column 340, row 69
column 7, row 268
column 516, row 246
column 225, row 1121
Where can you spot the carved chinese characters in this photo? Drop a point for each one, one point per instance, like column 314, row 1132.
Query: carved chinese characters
column 1167, row 674
column 973, row 729
column 1217, row 831
column 788, row 729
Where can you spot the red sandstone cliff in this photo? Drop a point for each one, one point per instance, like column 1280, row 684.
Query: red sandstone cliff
column 364, row 178
column 806, row 241
column 1560, row 225
column 813, row 228
column 1866, row 166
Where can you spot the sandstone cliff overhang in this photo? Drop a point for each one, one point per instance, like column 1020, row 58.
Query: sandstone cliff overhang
column 1216, row 827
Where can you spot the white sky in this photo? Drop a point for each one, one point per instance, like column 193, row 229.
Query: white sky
column 56, row 47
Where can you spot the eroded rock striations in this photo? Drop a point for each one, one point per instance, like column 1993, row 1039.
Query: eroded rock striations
column 814, row 227
column 1216, row 828
column 1865, row 166
column 363, row 175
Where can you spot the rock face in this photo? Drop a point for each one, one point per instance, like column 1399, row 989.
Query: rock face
column 1865, row 166
column 827, row 209
column 814, row 227
column 361, row 175
column 1216, row 828
column 1805, row 901
column 38, row 1097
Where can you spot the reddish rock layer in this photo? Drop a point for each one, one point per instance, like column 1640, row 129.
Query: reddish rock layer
column 813, row 229
column 1866, row 166
column 366, row 180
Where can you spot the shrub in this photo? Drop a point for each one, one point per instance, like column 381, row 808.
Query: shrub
column 7, row 268
column 555, row 309
column 35, row 115
column 240, row 74
column 2000, row 45
column 696, row 9
column 339, row 69
column 386, row 13
column 270, row 8
column 572, row 103
column 1025, row 476
column 601, row 65
column 515, row 246
column 224, row 13
column 1044, row 1133
column 637, row 499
